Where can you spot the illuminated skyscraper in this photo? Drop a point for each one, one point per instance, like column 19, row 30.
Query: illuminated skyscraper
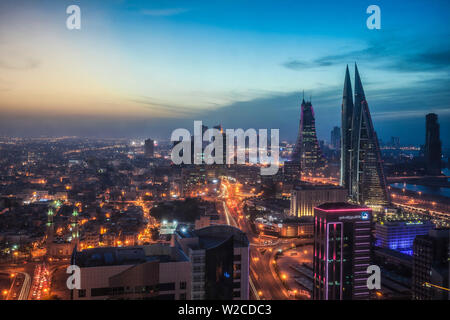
column 342, row 237
column 346, row 131
column 361, row 165
column 307, row 151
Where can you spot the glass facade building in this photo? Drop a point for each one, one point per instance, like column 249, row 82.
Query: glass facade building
column 342, row 254
column 361, row 165
column 307, row 150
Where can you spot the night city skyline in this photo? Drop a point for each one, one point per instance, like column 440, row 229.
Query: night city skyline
column 225, row 157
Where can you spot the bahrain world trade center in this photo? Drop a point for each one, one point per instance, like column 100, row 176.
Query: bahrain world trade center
column 361, row 165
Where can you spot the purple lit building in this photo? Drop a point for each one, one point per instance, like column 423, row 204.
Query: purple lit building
column 399, row 235
column 342, row 238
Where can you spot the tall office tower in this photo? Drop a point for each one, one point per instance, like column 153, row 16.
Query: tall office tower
column 307, row 151
column 433, row 147
column 336, row 138
column 342, row 237
column 430, row 265
column 361, row 166
column 400, row 235
column 149, row 148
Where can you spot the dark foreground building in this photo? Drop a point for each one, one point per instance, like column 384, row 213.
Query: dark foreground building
column 208, row 263
column 431, row 266
column 342, row 238
column 220, row 262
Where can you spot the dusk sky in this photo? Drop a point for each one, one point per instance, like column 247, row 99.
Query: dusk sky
column 145, row 68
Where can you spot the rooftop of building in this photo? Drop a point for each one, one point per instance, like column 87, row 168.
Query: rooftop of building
column 212, row 236
column 409, row 223
column 438, row 233
column 310, row 186
column 393, row 253
column 341, row 206
column 110, row 256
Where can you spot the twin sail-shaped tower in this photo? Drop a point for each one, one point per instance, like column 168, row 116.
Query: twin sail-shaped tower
column 361, row 166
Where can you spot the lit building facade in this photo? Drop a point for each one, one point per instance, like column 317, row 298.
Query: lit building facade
column 342, row 251
column 430, row 279
column 307, row 150
column 305, row 197
column 361, row 165
column 400, row 235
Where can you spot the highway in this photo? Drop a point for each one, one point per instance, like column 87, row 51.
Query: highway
column 20, row 285
column 25, row 289
column 264, row 282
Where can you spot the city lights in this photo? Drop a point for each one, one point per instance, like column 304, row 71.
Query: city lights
column 256, row 154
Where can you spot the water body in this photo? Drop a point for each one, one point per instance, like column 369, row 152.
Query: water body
column 444, row 192
column 446, row 172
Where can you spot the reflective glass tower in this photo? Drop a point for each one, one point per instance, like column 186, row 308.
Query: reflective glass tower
column 307, row 151
column 361, row 165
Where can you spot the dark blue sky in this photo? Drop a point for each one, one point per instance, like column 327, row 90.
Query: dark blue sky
column 144, row 68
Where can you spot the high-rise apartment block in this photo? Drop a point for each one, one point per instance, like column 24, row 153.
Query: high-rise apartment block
column 342, row 251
